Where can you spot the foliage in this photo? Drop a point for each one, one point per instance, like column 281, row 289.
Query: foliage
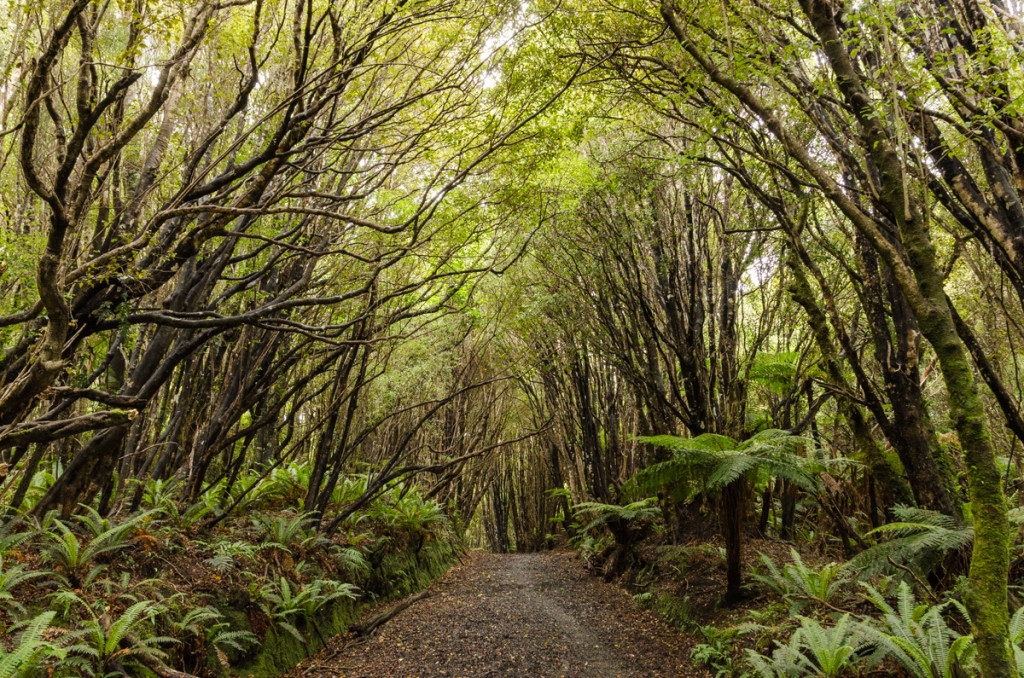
column 801, row 583
column 229, row 554
column 105, row 643
column 74, row 560
column 918, row 636
column 206, row 627
column 30, row 649
column 351, row 560
column 287, row 603
column 645, row 509
column 814, row 650
column 710, row 461
column 920, row 539
column 10, row 578
column 286, row 531
column 715, row 653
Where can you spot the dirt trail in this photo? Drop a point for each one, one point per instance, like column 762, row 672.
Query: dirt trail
column 514, row 615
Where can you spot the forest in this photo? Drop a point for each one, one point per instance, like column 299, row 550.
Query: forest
column 713, row 310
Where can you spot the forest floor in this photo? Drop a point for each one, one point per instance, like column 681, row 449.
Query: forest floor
column 494, row 615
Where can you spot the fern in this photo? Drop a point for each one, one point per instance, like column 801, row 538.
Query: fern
column 286, row 532
column 75, row 560
column 29, row 649
column 635, row 511
column 918, row 637
column 710, row 462
column 286, row 603
column 351, row 560
column 814, row 650
column 208, row 624
column 9, row 538
column 229, row 554
column 11, row 578
column 40, row 484
column 919, row 540
column 105, row 643
column 1017, row 638
column 774, row 371
column 801, row 583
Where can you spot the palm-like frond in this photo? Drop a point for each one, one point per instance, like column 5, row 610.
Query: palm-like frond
column 713, row 461
column 919, row 539
column 775, row 371
column 637, row 510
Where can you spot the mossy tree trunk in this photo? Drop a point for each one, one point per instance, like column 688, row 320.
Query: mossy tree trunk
column 987, row 599
column 917, row 273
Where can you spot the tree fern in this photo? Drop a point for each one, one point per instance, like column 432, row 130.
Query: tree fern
column 711, row 461
column 718, row 465
column 920, row 539
column 635, row 511
column 774, row 371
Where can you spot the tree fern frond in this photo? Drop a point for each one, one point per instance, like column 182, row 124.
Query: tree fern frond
column 706, row 442
column 920, row 540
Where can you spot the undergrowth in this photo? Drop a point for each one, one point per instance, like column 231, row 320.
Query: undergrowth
column 181, row 586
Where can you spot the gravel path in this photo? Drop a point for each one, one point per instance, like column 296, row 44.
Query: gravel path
column 514, row 615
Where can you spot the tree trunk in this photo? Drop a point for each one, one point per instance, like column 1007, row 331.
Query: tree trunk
column 733, row 500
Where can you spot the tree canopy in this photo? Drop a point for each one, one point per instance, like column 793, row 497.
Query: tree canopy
column 765, row 255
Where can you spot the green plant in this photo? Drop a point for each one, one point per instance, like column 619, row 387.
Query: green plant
column 40, row 484
column 10, row 539
column 285, row 485
column 919, row 540
column 351, row 560
column 11, row 578
column 645, row 509
column 1017, row 638
column 814, row 650
column 414, row 514
column 720, row 466
column 918, row 637
column 286, row 532
column 349, row 489
column 715, row 653
column 287, row 603
column 710, row 462
column 644, row 600
column 403, row 508
column 229, row 554
column 30, row 649
column 73, row 560
column 205, row 627
column 105, row 644
column 802, row 584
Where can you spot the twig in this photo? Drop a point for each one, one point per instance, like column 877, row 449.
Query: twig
column 927, row 589
column 382, row 618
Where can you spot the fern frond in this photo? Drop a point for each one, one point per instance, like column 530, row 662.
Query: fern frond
column 920, row 540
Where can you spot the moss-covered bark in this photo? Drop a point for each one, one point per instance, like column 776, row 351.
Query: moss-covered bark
column 913, row 263
column 801, row 292
column 987, row 598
